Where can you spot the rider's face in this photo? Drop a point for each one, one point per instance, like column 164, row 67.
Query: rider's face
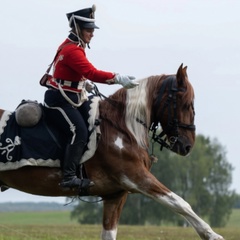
column 87, row 34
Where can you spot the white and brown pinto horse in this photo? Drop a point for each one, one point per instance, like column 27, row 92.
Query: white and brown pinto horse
column 121, row 162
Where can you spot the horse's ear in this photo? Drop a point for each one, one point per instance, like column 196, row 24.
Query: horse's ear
column 181, row 75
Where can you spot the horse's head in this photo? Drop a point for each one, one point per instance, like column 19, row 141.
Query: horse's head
column 175, row 111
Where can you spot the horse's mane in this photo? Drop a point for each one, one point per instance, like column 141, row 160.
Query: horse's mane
column 139, row 106
column 130, row 111
column 134, row 111
column 112, row 113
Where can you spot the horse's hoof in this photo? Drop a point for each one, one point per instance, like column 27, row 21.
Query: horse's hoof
column 217, row 237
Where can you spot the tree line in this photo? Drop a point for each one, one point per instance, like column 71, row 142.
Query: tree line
column 203, row 179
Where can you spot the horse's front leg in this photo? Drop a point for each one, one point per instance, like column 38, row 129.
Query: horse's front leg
column 148, row 185
column 180, row 206
column 112, row 208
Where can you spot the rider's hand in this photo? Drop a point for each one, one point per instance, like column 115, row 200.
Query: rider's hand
column 89, row 86
column 125, row 81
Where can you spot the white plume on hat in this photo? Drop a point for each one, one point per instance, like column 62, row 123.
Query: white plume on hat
column 94, row 7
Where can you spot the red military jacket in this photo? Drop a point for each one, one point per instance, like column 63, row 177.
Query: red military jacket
column 72, row 65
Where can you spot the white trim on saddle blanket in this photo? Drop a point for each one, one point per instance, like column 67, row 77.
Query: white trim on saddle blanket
column 92, row 144
column 4, row 119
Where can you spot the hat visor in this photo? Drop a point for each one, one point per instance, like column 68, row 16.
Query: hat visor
column 89, row 25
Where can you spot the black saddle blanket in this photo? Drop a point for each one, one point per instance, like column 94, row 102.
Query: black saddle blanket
column 41, row 145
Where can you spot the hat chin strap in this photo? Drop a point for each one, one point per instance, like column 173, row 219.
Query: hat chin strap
column 75, row 38
column 77, row 34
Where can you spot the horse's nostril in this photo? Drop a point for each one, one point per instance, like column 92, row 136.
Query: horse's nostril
column 188, row 148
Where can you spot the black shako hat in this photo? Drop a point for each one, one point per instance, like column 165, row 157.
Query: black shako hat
column 84, row 18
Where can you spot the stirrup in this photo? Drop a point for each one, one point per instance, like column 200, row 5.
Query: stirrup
column 76, row 182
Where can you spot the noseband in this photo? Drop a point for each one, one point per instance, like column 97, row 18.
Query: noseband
column 173, row 125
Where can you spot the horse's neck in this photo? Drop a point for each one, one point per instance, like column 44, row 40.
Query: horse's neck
column 136, row 103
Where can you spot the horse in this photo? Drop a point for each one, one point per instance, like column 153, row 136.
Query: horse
column 121, row 163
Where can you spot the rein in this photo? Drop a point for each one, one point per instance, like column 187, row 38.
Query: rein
column 96, row 92
column 173, row 125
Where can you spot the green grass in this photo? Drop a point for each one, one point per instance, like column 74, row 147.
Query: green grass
column 234, row 220
column 36, row 218
column 92, row 232
column 59, row 226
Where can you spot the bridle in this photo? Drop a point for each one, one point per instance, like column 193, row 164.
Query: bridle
column 173, row 125
column 169, row 84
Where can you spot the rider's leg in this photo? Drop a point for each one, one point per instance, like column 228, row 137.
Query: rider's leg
column 70, row 121
column 72, row 157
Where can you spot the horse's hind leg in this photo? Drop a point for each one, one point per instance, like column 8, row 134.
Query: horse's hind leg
column 112, row 208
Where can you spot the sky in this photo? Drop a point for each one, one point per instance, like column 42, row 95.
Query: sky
column 139, row 38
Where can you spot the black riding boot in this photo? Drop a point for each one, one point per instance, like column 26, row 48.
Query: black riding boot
column 72, row 157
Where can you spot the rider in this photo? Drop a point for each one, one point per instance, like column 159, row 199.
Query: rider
column 67, row 87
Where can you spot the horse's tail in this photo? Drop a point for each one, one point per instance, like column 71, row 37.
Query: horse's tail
column 1, row 113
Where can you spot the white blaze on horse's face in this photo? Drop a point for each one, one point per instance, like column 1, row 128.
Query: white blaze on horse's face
column 119, row 142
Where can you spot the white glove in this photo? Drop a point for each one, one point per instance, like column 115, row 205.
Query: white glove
column 89, row 86
column 125, row 81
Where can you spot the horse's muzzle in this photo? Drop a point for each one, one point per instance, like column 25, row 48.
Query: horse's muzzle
column 182, row 146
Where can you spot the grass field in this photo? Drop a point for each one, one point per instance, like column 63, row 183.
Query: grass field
column 36, row 218
column 58, row 226
column 234, row 220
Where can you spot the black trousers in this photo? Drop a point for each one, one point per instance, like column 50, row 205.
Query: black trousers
column 65, row 117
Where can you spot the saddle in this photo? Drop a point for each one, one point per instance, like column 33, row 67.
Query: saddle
column 33, row 141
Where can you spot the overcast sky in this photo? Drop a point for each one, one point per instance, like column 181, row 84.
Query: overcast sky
column 139, row 38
